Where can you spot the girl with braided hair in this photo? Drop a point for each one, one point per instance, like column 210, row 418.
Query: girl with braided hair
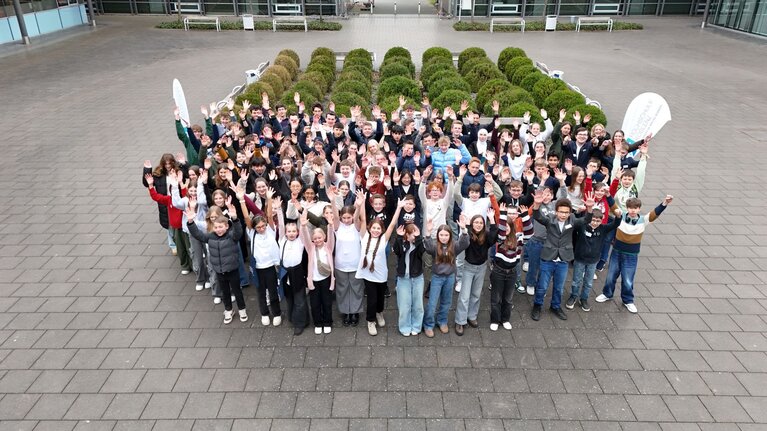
column 373, row 268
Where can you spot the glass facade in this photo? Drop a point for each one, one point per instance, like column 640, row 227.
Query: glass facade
column 744, row 15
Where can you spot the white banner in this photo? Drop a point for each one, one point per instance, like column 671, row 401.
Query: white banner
column 646, row 114
column 178, row 97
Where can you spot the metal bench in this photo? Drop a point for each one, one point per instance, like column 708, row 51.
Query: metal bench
column 508, row 21
column 296, row 21
column 606, row 8
column 594, row 20
column 202, row 20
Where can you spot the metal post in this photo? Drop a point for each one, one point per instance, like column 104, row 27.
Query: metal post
column 705, row 14
column 419, row 7
column 473, row 4
column 395, row 8
column 524, row 7
column 91, row 14
column 22, row 25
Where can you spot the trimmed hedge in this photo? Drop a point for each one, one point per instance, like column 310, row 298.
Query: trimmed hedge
column 444, row 74
column 282, row 72
column 562, row 99
column 363, row 70
column 453, row 98
column 472, row 63
column 357, row 87
column 318, row 79
column 521, row 73
column 329, row 73
column 353, row 75
column 397, row 51
column 253, row 93
column 397, row 85
column 292, row 54
column 306, row 96
column 488, row 92
column 439, row 86
column 436, row 51
column 309, row 87
column 395, row 69
column 482, row 73
column 540, row 26
column 509, row 98
column 467, row 54
column 359, row 56
column 515, row 63
column 403, row 61
column 323, row 52
column 434, row 67
column 545, row 86
column 530, row 81
column 287, row 63
column 391, row 103
column 507, row 54
column 597, row 115
column 274, row 81
column 519, row 109
column 344, row 101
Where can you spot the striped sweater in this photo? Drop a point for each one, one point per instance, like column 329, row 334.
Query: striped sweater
column 628, row 237
column 510, row 257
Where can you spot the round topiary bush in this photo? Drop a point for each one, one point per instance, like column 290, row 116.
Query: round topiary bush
column 529, row 81
column 344, row 101
column 318, row 79
column 436, row 66
column 397, row 85
column 507, row 54
column 562, row 99
column 394, row 69
column 329, row 73
column 274, row 81
column 306, row 97
column 469, row 53
column 292, row 54
column 309, row 87
column 254, row 91
column 365, row 71
column 357, row 87
column 287, row 63
column 323, row 52
column 482, row 73
column 509, row 98
column 353, row 75
column 360, row 55
column 597, row 115
column 521, row 73
column 282, row 72
column 325, row 61
column 437, row 87
column 489, row 91
column 358, row 62
column 452, row 98
column 403, row 61
column 512, row 65
column 519, row 109
column 436, row 51
column 397, row 51
column 472, row 63
column 391, row 104
column 545, row 86
column 443, row 74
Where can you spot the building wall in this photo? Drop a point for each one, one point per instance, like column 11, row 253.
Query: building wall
column 744, row 15
column 40, row 18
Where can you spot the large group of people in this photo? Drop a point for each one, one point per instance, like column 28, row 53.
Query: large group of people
column 312, row 208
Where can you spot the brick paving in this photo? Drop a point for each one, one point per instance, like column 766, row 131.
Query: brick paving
column 99, row 331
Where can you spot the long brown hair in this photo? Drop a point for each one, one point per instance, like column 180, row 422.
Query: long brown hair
column 477, row 237
column 160, row 170
column 445, row 253
column 511, row 234
column 375, row 250
column 574, row 177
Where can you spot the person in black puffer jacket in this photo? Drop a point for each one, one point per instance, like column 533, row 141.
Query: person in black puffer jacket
column 224, row 250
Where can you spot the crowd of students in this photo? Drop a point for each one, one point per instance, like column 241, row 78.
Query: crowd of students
column 308, row 208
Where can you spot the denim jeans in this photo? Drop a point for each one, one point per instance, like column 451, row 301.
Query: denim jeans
column 533, row 249
column 440, row 295
column 583, row 276
column 625, row 265
column 467, row 306
column 549, row 269
column 410, row 303
column 171, row 240
column 609, row 237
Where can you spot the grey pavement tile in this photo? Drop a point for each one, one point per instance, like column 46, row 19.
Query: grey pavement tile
column 453, row 357
column 723, row 383
column 239, row 405
column 474, row 380
column 687, row 408
column 251, row 424
column 424, row 405
column 611, row 407
column 121, row 358
column 158, row 381
column 290, row 424
column 18, row 381
column 222, row 357
column 255, row 357
column 173, row 425
column 687, row 383
column 573, row 407
column 616, row 382
column 267, row 379
column 461, row 405
column 580, row 381
column 544, row 381
column 505, row 380
column 164, row 406
column 51, row 406
column 334, row 379
column 299, row 379
column 369, row 379
column 321, row 356
column 520, row 358
column 754, row 383
column 16, row 406
column 439, row 379
column 155, row 358
column 202, row 406
column 123, row 381
column 328, row 424
column 649, row 408
column 388, row 404
column 20, row 359
column 534, row 406
column 725, row 409
column 150, row 338
column 89, row 406
column 277, row 405
column 288, row 357
column 51, row 381
column 194, row 380
column 229, row 380
column 189, row 357
column 52, row 425
column 87, row 338
column 722, row 361
column 754, row 406
column 87, row 359
column 313, row 405
column 87, row 381
column 403, row 379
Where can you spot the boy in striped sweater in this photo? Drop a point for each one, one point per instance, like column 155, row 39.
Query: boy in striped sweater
column 623, row 260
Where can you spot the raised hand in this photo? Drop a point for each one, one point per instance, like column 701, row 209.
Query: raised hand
column 648, row 138
column 230, row 104
column 230, row 207
column 588, row 200
column 401, row 230
column 204, row 111
column 429, row 225
column 207, row 164
column 190, row 212
column 296, row 98
column 176, row 112
column 544, row 114
column 464, row 105
column 496, row 106
column 332, row 106
column 245, row 105
column 644, row 148
column 577, row 117
column 392, row 157
column 462, row 171
column 239, row 191
column 538, row 197
column 667, row 200
column 148, row 164
column 522, row 209
column 149, row 180
column 560, row 175
column 204, row 174
column 376, row 111
column 545, row 176
column 568, row 165
column 401, row 101
column 277, row 202
column 586, row 118
column 562, row 114
column 269, row 193
column 417, row 177
column 526, row 117
column 230, row 165
column 359, row 199
column 502, row 207
column 425, row 101
column 396, row 176
column 529, row 176
column 387, row 182
column 463, row 221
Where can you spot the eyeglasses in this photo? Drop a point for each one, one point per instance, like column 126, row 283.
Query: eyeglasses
column 563, row 212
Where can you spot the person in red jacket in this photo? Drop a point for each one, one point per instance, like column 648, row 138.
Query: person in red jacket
column 174, row 223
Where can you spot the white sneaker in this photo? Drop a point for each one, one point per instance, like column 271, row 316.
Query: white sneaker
column 530, row 290
column 507, row 326
column 184, row 271
column 265, row 320
column 372, row 328
column 595, row 276
column 327, row 329
column 243, row 315
column 227, row 317
column 414, row 333
column 458, row 286
column 631, row 308
column 277, row 320
column 525, row 266
column 493, row 326
column 601, row 298
column 216, row 300
column 405, row 334
column 380, row 320
column 207, row 285
column 318, row 330
column 198, row 287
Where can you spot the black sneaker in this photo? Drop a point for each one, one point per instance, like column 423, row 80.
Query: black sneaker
column 601, row 265
column 298, row 330
column 387, row 292
column 559, row 313
column 347, row 319
column 355, row 319
column 536, row 313
column 585, row 305
column 570, row 303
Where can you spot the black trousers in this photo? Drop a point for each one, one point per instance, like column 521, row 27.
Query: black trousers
column 504, row 284
column 294, row 286
column 267, row 279
column 321, row 299
column 230, row 285
column 375, row 299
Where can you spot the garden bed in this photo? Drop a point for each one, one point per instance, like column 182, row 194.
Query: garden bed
column 540, row 26
column 314, row 24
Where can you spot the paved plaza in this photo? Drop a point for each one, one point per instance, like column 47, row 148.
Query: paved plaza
column 99, row 331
